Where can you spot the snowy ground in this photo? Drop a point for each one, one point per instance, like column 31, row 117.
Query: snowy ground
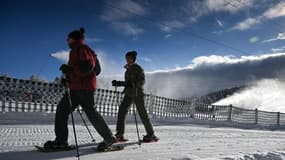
column 178, row 142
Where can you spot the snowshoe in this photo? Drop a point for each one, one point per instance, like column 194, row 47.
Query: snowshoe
column 105, row 144
column 110, row 148
column 54, row 146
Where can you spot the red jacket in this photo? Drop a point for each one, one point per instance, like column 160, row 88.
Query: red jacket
column 80, row 52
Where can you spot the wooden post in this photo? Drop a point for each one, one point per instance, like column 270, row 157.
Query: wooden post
column 256, row 116
column 278, row 118
column 230, row 113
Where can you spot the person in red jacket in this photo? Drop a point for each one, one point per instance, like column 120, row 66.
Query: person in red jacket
column 81, row 73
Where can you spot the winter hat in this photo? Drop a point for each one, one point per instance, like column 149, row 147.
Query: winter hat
column 77, row 34
column 133, row 54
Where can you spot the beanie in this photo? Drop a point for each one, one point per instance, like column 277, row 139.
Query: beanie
column 77, row 34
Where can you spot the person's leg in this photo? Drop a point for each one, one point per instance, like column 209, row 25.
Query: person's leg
column 140, row 105
column 61, row 117
column 87, row 103
column 123, row 110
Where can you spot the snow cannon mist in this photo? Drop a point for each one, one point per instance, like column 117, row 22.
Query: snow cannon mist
column 61, row 55
column 266, row 94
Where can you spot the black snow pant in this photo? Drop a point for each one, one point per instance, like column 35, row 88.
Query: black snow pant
column 140, row 106
column 84, row 98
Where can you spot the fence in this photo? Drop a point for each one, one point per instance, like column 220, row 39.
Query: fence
column 107, row 103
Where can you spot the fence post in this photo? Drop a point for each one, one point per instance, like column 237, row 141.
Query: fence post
column 151, row 100
column 214, row 112
column 278, row 118
column 17, row 106
column 3, row 105
column 256, row 116
column 10, row 106
column 230, row 112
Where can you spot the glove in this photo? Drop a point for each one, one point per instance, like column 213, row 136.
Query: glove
column 65, row 69
column 118, row 83
column 114, row 83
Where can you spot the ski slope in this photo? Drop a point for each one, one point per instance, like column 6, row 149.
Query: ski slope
column 179, row 141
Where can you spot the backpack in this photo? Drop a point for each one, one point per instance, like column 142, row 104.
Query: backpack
column 87, row 68
column 97, row 68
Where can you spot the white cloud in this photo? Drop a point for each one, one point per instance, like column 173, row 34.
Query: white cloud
column 220, row 23
column 167, row 36
column 273, row 12
column 280, row 36
column 228, row 5
column 145, row 59
column 230, row 59
column 169, row 26
column 278, row 49
column 276, row 11
column 246, row 24
column 212, row 73
column 218, row 60
column 61, row 55
column 124, row 9
column 127, row 28
column 253, row 39
column 121, row 15
column 194, row 9
column 218, row 32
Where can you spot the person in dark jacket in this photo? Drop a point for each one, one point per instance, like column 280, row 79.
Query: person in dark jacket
column 134, row 93
column 82, row 84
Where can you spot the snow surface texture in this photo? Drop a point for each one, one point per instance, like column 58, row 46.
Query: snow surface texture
column 266, row 95
column 178, row 141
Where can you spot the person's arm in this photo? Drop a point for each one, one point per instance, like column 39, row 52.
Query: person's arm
column 140, row 77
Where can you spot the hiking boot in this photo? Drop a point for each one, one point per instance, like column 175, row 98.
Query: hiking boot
column 55, row 145
column 150, row 138
column 120, row 139
column 106, row 144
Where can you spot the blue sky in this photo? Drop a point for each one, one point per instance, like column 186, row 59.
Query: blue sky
column 160, row 30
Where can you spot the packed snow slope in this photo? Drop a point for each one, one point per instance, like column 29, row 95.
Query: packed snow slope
column 178, row 141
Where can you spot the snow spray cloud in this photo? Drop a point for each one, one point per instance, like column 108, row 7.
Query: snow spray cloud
column 61, row 55
column 205, row 74
column 211, row 73
column 110, row 69
column 266, row 94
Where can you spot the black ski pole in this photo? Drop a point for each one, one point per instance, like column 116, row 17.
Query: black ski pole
column 72, row 119
column 93, row 139
column 138, row 134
